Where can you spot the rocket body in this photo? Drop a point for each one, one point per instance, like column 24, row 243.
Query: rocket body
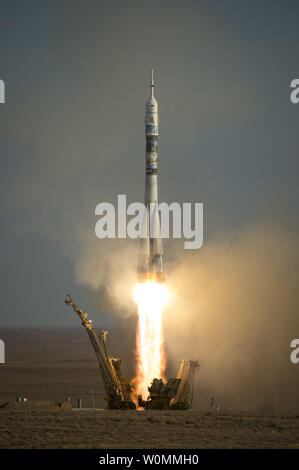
column 150, row 262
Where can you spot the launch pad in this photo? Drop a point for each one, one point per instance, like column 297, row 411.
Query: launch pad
column 150, row 294
column 175, row 394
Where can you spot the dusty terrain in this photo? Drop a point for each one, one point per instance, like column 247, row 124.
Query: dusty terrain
column 46, row 366
column 134, row 429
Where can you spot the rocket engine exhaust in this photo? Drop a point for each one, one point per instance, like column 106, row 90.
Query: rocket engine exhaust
column 150, row 297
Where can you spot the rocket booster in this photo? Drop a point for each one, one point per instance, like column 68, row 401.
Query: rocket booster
column 150, row 262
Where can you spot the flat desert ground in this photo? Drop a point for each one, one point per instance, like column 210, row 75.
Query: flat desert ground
column 47, row 365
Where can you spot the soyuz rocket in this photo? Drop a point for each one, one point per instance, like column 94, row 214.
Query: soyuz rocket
column 150, row 262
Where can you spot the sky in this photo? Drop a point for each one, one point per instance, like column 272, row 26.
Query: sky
column 72, row 135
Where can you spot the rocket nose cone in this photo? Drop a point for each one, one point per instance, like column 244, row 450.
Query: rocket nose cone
column 151, row 113
column 152, row 101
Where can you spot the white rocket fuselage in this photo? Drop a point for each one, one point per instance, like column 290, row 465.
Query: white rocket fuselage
column 150, row 264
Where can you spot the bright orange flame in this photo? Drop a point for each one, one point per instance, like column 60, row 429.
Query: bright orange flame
column 150, row 297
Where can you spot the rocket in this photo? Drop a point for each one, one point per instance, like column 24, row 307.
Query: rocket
column 150, row 262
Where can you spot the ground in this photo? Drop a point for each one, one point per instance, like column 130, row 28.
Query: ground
column 47, row 366
column 148, row 429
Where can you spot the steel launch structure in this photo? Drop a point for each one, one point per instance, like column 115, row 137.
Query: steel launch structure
column 117, row 387
column 176, row 393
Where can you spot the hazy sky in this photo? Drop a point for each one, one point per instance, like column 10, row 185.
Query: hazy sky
column 72, row 132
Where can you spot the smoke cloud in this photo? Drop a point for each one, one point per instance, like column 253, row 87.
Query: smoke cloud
column 234, row 309
column 232, row 306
